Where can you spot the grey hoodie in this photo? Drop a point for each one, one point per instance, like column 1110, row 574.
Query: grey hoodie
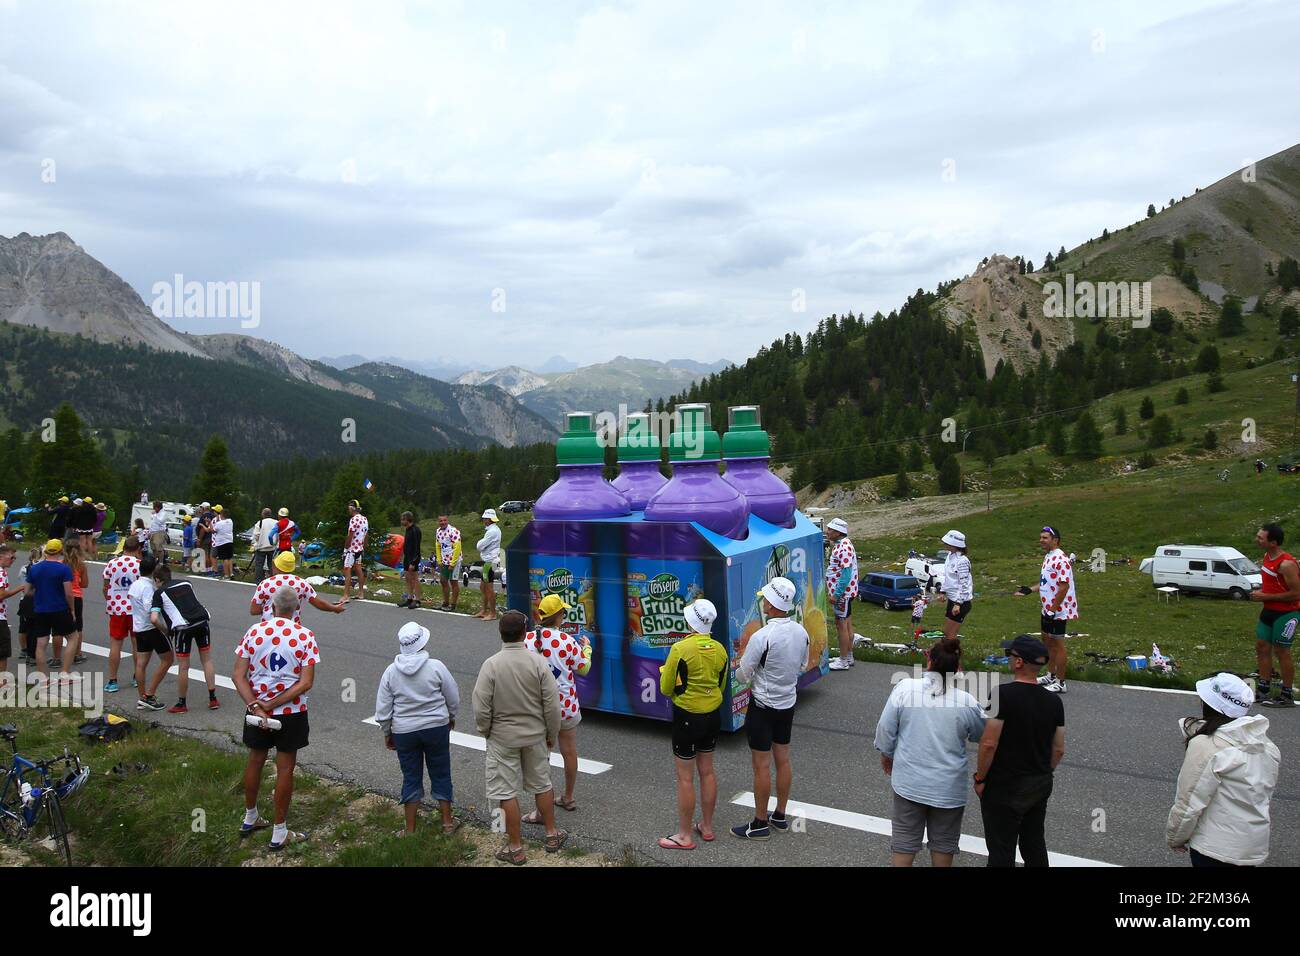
column 415, row 693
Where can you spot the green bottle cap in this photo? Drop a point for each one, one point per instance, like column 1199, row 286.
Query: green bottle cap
column 745, row 437
column 694, row 440
column 639, row 442
column 579, row 444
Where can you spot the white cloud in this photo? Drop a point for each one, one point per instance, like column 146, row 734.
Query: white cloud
column 626, row 171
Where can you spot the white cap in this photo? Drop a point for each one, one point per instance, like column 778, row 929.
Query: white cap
column 780, row 593
column 490, row 514
column 206, row 504
column 955, row 538
column 838, row 524
column 700, row 616
column 412, row 637
column 1226, row 693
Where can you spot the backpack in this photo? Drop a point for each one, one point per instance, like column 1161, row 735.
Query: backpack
column 106, row 728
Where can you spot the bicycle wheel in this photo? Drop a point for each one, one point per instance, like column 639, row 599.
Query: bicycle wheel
column 11, row 809
column 58, row 826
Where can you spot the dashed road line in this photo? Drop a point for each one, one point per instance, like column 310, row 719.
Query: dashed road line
column 592, row 767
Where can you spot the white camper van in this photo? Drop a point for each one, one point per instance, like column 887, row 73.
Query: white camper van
column 1197, row 567
column 927, row 570
column 172, row 512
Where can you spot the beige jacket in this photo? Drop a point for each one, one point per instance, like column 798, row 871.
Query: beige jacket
column 516, row 703
column 1224, row 789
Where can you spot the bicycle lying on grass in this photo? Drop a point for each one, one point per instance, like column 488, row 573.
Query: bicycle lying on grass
column 31, row 800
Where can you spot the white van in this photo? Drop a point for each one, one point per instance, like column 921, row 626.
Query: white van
column 1197, row 567
column 172, row 511
column 928, row 570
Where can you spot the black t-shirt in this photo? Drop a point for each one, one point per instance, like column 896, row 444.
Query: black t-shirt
column 59, row 523
column 1030, row 715
column 83, row 517
column 411, row 550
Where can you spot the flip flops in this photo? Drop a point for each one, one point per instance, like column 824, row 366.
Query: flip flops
column 700, row 831
column 569, row 804
column 247, row 828
column 668, row 843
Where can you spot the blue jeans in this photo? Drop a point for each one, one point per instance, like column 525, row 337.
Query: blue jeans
column 431, row 747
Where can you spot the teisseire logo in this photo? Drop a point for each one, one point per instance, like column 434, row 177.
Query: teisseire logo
column 664, row 585
column 77, row 909
column 559, row 579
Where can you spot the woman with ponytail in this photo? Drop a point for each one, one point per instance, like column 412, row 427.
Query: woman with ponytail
column 922, row 736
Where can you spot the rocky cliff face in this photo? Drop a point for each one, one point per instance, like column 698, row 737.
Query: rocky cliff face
column 498, row 416
column 987, row 304
column 50, row 282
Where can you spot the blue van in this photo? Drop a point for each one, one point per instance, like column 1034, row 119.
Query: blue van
column 892, row 591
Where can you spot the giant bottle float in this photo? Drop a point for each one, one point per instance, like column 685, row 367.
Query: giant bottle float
column 575, row 556
column 747, row 451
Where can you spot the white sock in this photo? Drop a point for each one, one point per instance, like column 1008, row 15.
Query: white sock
column 250, row 816
column 280, row 833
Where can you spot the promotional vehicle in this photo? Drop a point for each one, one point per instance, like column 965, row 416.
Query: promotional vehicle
column 891, row 591
column 1193, row 568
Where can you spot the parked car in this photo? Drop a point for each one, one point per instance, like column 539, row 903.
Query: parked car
column 1193, row 568
column 474, row 572
column 892, row 591
column 927, row 570
column 513, row 507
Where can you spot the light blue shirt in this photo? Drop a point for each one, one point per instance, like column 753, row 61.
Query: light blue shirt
column 924, row 728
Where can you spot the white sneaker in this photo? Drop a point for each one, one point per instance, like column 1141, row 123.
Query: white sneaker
column 1056, row 687
column 1044, row 679
column 841, row 664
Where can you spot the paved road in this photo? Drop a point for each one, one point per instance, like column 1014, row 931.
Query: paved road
column 1113, row 789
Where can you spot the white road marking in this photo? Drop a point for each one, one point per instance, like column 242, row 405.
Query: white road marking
column 478, row 743
column 197, row 675
column 1157, row 690
column 882, row 826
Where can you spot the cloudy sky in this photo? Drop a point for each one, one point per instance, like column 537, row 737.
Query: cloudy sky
column 488, row 183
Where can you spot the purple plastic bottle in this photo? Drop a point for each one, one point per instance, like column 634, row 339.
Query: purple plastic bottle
column 579, row 560
column 665, row 554
column 747, row 451
column 696, row 491
column 638, row 462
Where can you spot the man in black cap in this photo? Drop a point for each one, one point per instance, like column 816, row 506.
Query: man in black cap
column 1023, row 742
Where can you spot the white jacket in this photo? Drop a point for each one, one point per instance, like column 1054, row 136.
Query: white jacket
column 958, row 584
column 1224, row 789
column 489, row 546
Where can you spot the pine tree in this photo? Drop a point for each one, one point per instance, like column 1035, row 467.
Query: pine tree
column 1230, row 320
column 1147, row 410
column 1161, row 432
column 1087, row 438
column 1288, row 321
column 1207, row 360
column 1181, row 398
column 65, row 460
column 1121, row 421
column 216, row 480
column 1151, row 210
column 1211, row 439
column 950, row 476
column 902, row 484
column 1056, row 442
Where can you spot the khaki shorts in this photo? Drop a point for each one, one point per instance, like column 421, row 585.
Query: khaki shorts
column 568, row 723
column 517, row 771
